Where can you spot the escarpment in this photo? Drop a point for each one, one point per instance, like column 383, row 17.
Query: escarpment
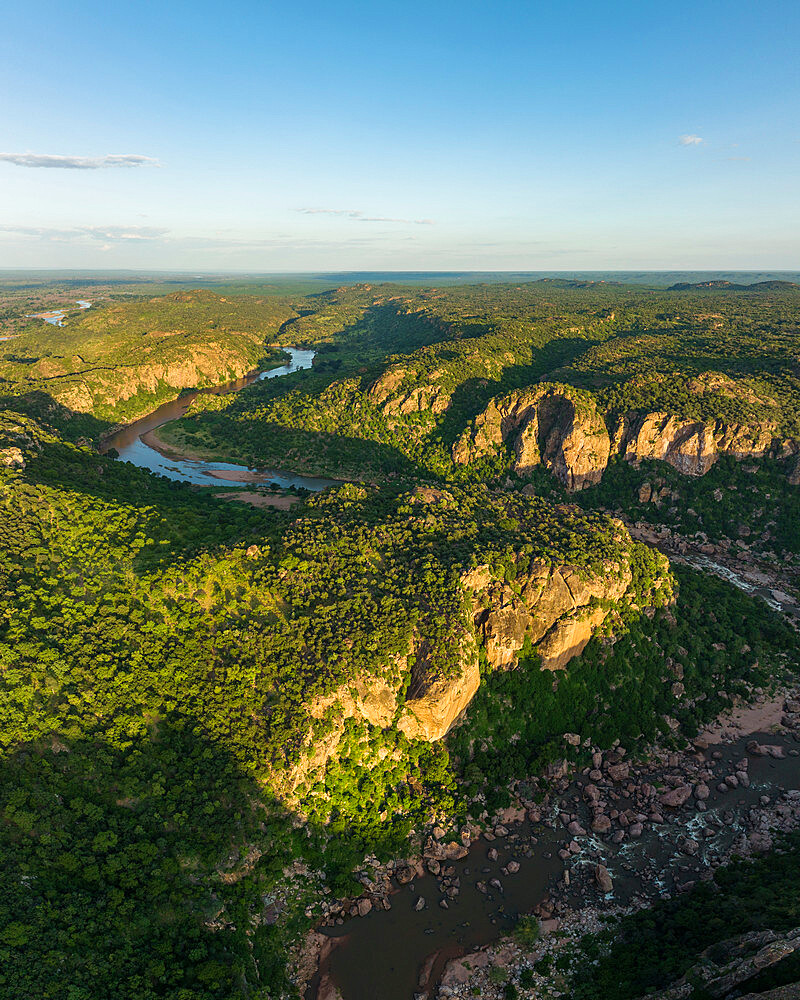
column 490, row 610
column 556, row 426
column 100, row 390
column 556, row 607
column 563, row 430
column 692, row 446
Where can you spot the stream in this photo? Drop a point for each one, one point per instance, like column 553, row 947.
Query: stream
column 133, row 444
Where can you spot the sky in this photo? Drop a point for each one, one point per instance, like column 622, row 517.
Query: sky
column 309, row 136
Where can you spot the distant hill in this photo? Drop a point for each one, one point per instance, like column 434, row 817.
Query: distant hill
column 729, row 286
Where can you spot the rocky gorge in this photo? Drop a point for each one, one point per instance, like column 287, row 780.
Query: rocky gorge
column 563, row 429
column 604, row 841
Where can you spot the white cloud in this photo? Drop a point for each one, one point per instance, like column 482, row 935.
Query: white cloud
column 357, row 216
column 54, row 161
column 105, row 234
column 691, row 140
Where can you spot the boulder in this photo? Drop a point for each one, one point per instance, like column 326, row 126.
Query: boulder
column 603, row 878
column 601, row 823
column 675, row 797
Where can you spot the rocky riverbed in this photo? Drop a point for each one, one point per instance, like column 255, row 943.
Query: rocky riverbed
column 610, row 838
column 734, row 561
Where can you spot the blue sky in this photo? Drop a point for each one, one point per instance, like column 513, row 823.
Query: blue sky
column 438, row 135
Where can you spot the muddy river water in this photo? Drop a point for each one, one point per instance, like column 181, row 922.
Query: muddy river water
column 400, row 953
column 132, row 445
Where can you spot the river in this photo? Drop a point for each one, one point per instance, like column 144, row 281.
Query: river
column 132, row 445
column 393, row 947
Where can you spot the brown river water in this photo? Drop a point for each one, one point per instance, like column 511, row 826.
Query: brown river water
column 381, row 955
column 129, row 443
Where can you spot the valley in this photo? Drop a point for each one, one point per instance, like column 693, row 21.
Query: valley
column 386, row 613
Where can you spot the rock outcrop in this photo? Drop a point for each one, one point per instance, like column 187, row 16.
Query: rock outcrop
column 557, row 607
column 726, row 966
column 96, row 390
column 12, row 458
column 561, row 428
column 434, row 704
column 553, row 425
column 690, row 446
column 388, row 394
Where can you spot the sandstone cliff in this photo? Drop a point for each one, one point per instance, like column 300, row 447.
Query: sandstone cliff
column 100, row 390
column 691, row 446
column 553, row 425
column 562, row 429
column 556, row 607
column 393, row 399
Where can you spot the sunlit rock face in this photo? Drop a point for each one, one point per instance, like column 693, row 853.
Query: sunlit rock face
column 549, row 425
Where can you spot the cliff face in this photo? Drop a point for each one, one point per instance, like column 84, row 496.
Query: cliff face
column 388, row 395
column 557, row 608
column 101, row 389
column 691, row 447
column 551, row 425
column 434, row 704
column 563, row 430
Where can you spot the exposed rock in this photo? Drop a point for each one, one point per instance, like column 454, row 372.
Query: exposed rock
column 435, row 705
column 725, row 966
column 689, row 446
column 554, row 606
column 603, row 878
column 389, row 395
column 765, row 750
column 405, row 874
column 568, row 638
column 445, row 852
column 12, row 458
column 601, row 823
column 676, row 797
column 554, row 425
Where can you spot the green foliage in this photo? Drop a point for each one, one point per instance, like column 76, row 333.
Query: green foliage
column 116, row 362
column 126, row 870
column 623, row 690
column 699, row 355
column 650, row 949
column 526, row 931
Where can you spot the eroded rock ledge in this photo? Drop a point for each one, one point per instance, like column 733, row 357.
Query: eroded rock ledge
column 561, row 428
column 552, row 425
column 557, row 608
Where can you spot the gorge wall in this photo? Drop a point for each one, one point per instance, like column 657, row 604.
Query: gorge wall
column 557, row 608
column 562, row 429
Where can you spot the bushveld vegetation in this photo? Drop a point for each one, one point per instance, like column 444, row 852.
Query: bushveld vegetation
column 161, row 650
column 726, row 356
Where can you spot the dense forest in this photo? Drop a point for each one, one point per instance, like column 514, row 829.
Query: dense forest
column 703, row 356
column 208, row 706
